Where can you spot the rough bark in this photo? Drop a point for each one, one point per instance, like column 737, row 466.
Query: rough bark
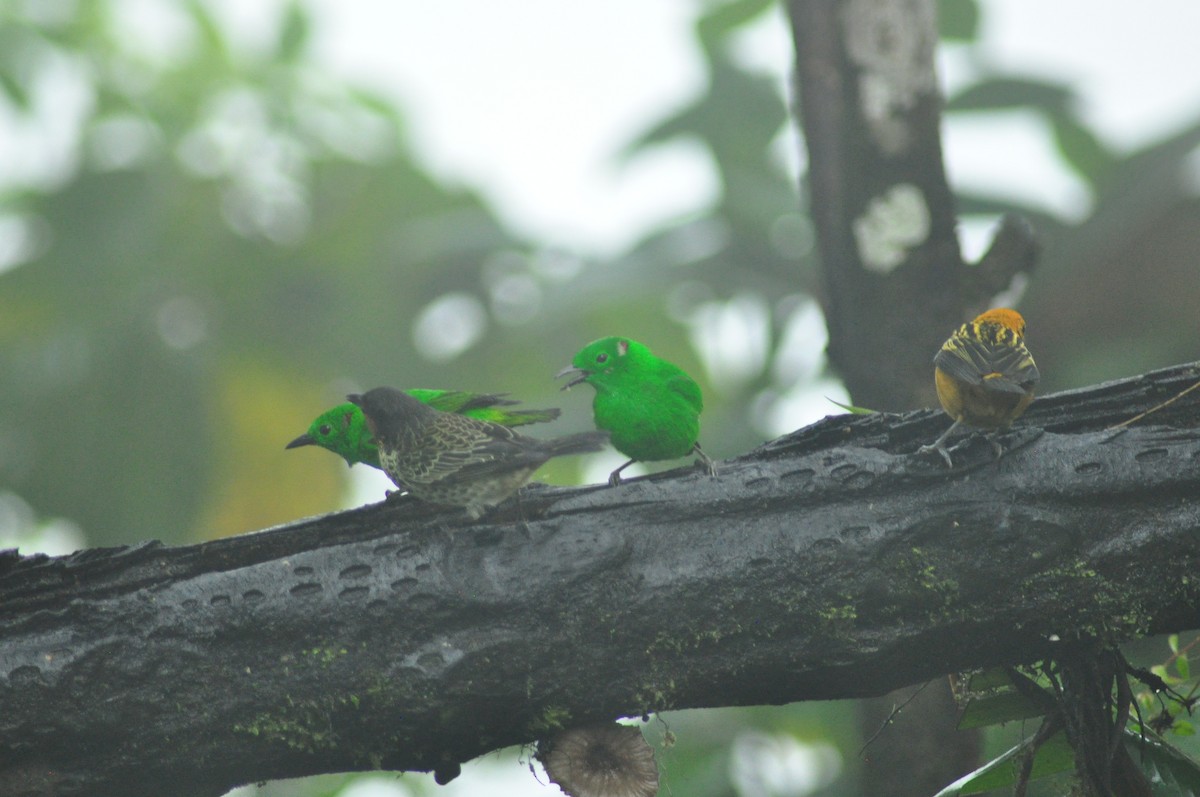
column 830, row 563
column 893, row 279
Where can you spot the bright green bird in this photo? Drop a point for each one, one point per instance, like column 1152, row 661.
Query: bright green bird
column 651, row 407
column 343, row 429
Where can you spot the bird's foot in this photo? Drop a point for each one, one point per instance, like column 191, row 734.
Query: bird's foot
column 526, row 530
column 614, row 478
column 703, row 461
column 521, row 520
column 941, row 449
column 939, row 445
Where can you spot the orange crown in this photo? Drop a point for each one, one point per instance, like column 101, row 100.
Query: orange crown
column 1010, row 319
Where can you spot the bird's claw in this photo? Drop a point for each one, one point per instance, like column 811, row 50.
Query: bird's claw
column 704, row 461
column 926, row 449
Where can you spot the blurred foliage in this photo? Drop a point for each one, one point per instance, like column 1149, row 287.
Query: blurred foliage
column 239, row 239
column 227, row 239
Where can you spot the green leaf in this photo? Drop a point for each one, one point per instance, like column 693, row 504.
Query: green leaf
column 1008, row 93
column 1173, row 643
column 1080, row 147
column 293, row 35
column 991, row 698
column 1170, row 772
column 1052, row 757
column 997, row 708
column 991, row 678
column 1000, row 677
column 207, row 27
column 15, row 92
column 851, row 408
column 725, row 18
column 958, row 20
column 1182, row 667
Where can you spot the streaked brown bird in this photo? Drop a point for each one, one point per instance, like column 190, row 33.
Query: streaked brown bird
column 984, row 375
column 454, row 460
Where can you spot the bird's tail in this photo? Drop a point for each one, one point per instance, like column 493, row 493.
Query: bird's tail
column 523, row 417
column 462, row 402
column 491, row 407
column 580, row 443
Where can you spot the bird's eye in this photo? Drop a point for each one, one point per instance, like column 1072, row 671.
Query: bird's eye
column 601, row 357
column 324, row 429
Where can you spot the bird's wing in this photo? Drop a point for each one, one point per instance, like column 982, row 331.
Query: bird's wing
column 459, row 401
column 687, row 388
column 457, row 446
column 993, row 357
column 465, row 402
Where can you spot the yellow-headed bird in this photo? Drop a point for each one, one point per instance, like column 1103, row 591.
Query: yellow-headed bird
column 984, row 374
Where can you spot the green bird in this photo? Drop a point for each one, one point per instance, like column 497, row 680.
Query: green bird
column 343, row 429
column 651, row 407
column 451, row 459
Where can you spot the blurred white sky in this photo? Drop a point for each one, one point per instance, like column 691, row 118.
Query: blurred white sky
column 530, row 101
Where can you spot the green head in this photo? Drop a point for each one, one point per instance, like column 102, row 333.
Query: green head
column 606, row 361
column 342, row 430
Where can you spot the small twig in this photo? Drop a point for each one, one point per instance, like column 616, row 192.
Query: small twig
column 888, row 721
column 1141, row 723
column 1120, row 426
column 1030, row 690
column 1052, row 723
column 1124, row 700
column 1157, row 685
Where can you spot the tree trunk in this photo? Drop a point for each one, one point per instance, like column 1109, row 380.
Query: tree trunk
column 830, row 563
column 894, row 283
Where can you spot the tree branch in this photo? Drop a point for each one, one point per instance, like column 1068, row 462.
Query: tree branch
column 830, row 563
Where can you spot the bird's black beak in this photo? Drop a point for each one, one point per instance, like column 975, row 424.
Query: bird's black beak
column 355, row 399
column 579, row 375
column 302, row 440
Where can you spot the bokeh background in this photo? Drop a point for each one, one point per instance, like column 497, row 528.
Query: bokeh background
column 217, row 218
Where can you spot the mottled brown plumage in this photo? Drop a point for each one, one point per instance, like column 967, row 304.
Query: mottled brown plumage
column 454, row 460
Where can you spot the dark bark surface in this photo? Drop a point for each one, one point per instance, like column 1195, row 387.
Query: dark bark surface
column 893, row 279
column 830, row 563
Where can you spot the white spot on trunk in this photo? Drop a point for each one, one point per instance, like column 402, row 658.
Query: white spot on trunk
column 891, row 225
column 891, row 42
